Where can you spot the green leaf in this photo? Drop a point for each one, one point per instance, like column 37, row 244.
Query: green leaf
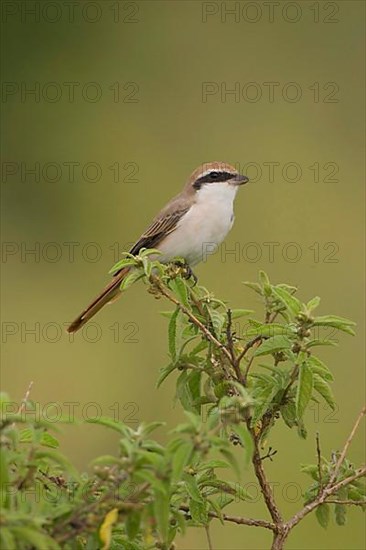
column 318, row 367
column 304, row 389
column 132, row 524
column 216, row 509
column 7, row 541
column 49, row 441
column 254, row 286
column 318, row 342
column 164, row 373
column 322, row 515
column 311, row 470
column 110, row 423
column 125, row 262
column 59, row 458
column 212, row 464
column 340, row 514
column 288, row 412
column 145, row 252
column 198, row 511
column 179, row 287
column 266, row 285
column 188, row 390
column 334, row 321
column 269, row 330
column 237, row 313
column 231, row 459
column 146, row 429
column 273, row 344
column 293, row 305
column 312, row 304
column 26, row 435
column 192, row 488
column 263, row 400
column 4, row 479
column 180, row 460
column 161, row 512
column 230, row 487
column 217, row 319
column 34, row 538
column 322, row 387
column 263, row 278
column 246, row 440
column 130, row 279
column 172, row 334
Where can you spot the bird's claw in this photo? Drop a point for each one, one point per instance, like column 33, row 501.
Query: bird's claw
column 187, row 272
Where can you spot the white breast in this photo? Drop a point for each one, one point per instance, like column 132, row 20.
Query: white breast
column 204, row 226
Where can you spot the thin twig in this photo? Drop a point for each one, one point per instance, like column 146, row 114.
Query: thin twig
column 236, row 519
column 342, row 456
column 208, row 535
column 327, row 491
column 319, row 458
column 155, row 280
column 347, row 502
column 230, row 346
column 229, row 335
column 25, row 398
column 263, row 483
column 247, row 347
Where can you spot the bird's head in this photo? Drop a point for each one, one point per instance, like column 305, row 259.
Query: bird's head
column 217, row 174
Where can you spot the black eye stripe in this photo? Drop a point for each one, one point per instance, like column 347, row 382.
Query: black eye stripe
column 213, row 177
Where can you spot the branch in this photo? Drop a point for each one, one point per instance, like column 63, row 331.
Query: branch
column 319, row 459
column 264, row 485
column 247, row 347
column 321, row 499
column 347, row 502
column 236, row 519
column 331, row 487
column 342, row 456
column 156, row 281
column 230, row 346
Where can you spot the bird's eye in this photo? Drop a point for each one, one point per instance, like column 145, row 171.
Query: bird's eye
column 214, row 175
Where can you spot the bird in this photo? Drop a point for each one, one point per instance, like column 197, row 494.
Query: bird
column 190, row 226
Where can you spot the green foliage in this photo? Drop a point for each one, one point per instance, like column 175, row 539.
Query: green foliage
column 236, row 376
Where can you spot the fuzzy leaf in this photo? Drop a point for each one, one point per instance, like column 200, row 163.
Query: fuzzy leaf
column 292, row 304
column 198, row 511
column 179, row 287
column 274, row 344
column 172, row 334
column 322, row 387
column 318, row 367
column 322, row 515
column 304, row 389
column 334, row 321
column 180, row 460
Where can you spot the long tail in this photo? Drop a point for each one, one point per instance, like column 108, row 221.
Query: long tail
column 110, row 292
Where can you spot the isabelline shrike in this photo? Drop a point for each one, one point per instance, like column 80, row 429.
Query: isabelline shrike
column 191, row 225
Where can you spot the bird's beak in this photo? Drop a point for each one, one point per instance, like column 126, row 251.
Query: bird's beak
column 239, row 180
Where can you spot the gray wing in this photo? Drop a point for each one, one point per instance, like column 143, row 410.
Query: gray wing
column 160, row 228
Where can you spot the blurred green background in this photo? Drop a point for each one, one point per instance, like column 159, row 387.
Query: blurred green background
column 158, row 128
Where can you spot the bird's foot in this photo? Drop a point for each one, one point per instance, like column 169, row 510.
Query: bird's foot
column 186, row 271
